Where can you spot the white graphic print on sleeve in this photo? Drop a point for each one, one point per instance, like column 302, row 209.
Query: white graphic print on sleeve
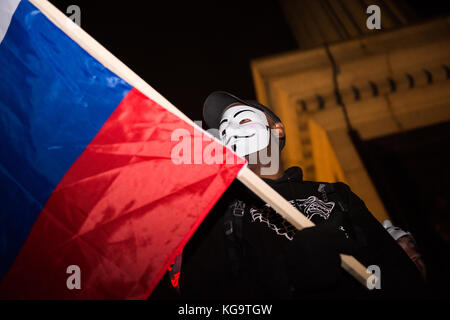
column 312, row 206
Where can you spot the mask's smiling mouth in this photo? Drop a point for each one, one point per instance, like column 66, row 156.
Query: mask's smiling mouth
column 237, row 137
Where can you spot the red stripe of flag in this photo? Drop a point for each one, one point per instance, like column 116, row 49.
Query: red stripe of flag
column 121, row 211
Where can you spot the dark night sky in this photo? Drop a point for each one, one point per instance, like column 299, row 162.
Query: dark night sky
column 185, row 50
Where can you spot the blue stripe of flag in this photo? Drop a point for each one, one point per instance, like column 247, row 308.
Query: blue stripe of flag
column 54, row 98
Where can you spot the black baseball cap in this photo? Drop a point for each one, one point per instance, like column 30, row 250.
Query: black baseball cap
column 218, row 101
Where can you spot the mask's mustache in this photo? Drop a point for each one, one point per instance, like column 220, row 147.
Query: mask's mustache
column 236, row 137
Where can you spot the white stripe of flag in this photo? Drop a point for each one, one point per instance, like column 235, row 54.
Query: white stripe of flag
column 7, row 9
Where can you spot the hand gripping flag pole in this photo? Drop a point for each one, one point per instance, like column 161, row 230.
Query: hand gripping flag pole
column 246, row 176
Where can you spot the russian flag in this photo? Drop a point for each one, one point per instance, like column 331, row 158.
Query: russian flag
column 86, row 175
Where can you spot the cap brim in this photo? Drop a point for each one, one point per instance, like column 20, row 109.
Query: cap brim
column 214, row 106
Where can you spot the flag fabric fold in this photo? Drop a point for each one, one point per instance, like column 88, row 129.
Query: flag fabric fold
column 87, row 176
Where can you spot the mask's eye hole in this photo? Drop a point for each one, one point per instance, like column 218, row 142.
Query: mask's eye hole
column 223, row 132
column 244, row 121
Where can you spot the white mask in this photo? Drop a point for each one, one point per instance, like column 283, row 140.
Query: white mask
column 244, row 129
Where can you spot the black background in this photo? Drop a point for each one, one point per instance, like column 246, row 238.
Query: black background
column 187, row 49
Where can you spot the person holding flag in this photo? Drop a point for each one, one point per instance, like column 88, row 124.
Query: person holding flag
column 244, row 249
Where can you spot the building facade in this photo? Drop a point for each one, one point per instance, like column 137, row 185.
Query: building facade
column 348, row 83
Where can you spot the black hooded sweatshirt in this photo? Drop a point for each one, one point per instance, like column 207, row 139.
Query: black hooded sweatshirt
column 267, row 258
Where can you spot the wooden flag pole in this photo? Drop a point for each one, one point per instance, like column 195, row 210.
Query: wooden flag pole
column 246, row 176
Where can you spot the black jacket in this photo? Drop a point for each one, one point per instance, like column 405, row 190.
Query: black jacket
column 271, row 259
